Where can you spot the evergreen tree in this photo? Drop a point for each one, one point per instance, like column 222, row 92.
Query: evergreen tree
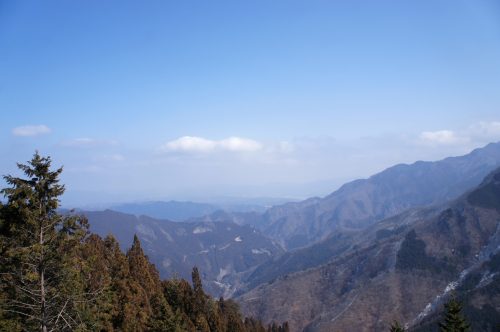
column 285, row 327
column 96, row 273
column 36, row 250
column 54, row 276
column 396, row 327
column 199, row 296
column 157, row 310
column 453, row 319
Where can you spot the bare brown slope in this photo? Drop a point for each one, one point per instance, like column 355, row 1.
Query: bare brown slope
column 382, row 279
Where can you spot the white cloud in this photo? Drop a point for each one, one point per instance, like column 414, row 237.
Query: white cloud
column 485, row 130
column 190, row 144
column 31, row 130
column 86, row 142
column 476, row 134
column 442, row 137
column 203, row 145
column 239, row 144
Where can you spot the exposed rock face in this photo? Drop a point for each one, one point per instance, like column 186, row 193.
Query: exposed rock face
column 400, row 268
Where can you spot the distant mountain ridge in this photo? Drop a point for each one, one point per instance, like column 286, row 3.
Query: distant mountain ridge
column 361, row 203
column 171, row 210
column 399, row 268
column 185, row 210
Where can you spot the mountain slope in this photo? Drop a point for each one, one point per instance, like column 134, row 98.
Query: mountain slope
column 220, row 250
column 323, row 252
column 400, row 268
column 361, row 203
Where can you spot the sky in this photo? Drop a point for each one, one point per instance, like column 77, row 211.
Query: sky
column 150, row 100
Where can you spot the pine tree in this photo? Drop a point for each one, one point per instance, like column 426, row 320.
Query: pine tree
column 396, row 327
column 199, row 296
column 158, row 311
column 453, row 319
column 96, row 273
column 36, row 241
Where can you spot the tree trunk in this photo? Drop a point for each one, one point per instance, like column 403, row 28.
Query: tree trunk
column 41, row 273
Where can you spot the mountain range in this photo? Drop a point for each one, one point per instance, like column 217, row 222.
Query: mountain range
column 361, row 203
column 400, row 268
column 171, row 210
column 184, row 210
column 391, row 246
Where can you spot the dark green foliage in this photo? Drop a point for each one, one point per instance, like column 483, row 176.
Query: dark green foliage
column 488, row 195
column 494, row 263
column 385, row 233
column 412, row 255
column 40, row 284
column 453, row 320
column 484, row 319
column 470, row 281
column 57, row 277
column 396, row 327
column 278, row 328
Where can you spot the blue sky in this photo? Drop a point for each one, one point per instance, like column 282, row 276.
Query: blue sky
column 197, row 99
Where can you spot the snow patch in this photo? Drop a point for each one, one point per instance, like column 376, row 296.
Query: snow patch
column 345, row 309
column 180, row 232
column 228, row 291
column 261, row 251
column 425, row 312
column 451, row 286
column 238, row 239
column 201, row 230
column 223, row 272
column 167, row 235
column 145, row 231
column 486, row 279
column 166, row 263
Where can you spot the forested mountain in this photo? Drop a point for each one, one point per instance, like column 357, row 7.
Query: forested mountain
column 222, row 251
column 56, row 276
column 361, row 203
column 400, row 268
